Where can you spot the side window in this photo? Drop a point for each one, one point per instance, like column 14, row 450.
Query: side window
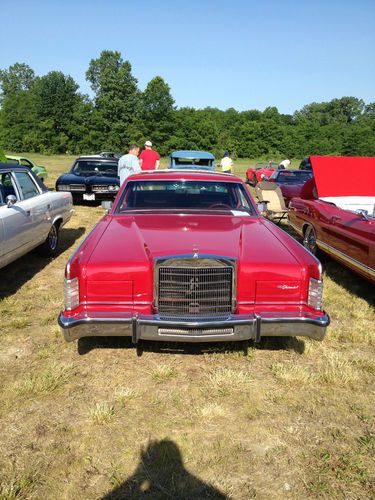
column 25, row 163
column 27, row 185
column 7, row 187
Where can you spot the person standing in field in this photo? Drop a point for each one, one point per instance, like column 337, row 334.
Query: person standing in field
column 284, row 164
column 149, row 159
column 128, row 164
column 226, row 163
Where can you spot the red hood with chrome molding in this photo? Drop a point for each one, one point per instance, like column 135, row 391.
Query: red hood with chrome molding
column 344, row 175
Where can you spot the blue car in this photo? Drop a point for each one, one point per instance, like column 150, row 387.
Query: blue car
column 188, row 159
column 91, row 178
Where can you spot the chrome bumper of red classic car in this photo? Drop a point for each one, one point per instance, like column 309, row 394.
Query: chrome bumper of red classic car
column 235, row 328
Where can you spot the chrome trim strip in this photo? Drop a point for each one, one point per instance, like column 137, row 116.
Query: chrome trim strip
column 340, row 255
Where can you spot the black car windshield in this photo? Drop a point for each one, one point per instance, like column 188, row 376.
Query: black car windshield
column 291, row 176
column 94, row 167
column 184, row 195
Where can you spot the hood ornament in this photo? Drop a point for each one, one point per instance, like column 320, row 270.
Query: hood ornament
column 195, row 252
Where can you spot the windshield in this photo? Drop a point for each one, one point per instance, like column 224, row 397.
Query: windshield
column 201, row 162
column 291, row 176
column 181, row 194
column 94, row 167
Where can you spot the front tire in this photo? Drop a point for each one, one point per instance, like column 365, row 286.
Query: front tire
column 49, row 247
column 309, row 240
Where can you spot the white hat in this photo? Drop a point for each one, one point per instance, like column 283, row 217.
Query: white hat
column 148, row 143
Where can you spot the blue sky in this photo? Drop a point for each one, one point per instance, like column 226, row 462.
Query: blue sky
column 241, row 54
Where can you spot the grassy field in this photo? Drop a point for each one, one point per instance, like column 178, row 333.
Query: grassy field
column 289, row 418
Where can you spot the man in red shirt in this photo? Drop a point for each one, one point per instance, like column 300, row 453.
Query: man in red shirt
column 149, row 159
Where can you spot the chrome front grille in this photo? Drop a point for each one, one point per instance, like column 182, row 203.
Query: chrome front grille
column 195, row 291
column 77, row 187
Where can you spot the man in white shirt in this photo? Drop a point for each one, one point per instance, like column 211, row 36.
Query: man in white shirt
column 284, row 164
column 128, row 164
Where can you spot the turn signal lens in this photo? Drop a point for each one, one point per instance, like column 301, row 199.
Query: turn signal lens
column 71, row 293
column 315, row 298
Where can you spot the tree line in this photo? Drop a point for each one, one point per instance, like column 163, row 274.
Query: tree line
column 47, row 114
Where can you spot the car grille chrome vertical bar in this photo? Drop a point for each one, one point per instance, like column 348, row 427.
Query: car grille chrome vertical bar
column 195, row 290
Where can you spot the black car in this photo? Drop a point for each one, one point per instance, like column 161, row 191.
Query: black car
column 91, row 178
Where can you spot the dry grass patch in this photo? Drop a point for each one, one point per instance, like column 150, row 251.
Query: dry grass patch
column 102, row 413
column 163, row 372
column 227, row 380
column 125, row 394
column 211, row 410
column 291, row 373
column 19, row 484
column 46, row 381
column 337, row 370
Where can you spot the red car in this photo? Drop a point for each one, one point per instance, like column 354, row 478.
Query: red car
column 336, row 212
column 186, row 256
column 262, row 169
column 290, row 182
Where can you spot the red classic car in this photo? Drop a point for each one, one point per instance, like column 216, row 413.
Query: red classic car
column 186, row 256
column 290, row 182
column 336, row 213
column 262, row 169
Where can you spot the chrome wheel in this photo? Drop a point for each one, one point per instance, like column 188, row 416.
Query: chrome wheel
column 309, row 240
column 53, row 238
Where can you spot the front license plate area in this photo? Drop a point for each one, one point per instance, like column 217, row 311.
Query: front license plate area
column 89, row 197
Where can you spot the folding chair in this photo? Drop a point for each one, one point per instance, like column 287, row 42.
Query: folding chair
column 270, row 193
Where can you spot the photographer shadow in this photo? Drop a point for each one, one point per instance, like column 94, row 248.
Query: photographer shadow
column 161, row 474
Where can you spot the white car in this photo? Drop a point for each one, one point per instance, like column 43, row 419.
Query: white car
column 30, row 215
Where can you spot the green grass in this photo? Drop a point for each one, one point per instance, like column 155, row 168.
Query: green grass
column 287, row 419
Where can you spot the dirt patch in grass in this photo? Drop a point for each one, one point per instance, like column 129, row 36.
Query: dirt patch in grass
column 290, row 418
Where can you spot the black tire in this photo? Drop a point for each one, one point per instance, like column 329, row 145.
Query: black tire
column 49, row 247
column 254, row 181
column 309, row 240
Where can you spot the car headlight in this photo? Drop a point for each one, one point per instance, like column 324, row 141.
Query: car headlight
column 71, row 293
column 315, row 296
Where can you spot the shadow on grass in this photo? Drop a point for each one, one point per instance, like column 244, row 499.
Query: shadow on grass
column 16, row 274
column 87, row 344
column 352, row 282
column 161, row 474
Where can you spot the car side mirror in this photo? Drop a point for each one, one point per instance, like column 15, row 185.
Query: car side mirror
column 11, row 200
column 107, row 205
column 362, row 212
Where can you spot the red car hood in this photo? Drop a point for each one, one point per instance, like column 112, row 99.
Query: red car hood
column 135, row 241
column 343, row 175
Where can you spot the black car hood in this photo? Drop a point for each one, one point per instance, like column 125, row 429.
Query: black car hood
column 88, row 179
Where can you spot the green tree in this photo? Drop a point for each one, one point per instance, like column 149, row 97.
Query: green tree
column 117, row 99
column 157, row 106
column 16, row 78
column 56, row 99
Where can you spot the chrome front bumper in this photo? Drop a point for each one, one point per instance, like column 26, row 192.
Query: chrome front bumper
column 234, row 328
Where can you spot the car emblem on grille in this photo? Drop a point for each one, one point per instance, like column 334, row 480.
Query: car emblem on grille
column 287, row 287
column 194, row 284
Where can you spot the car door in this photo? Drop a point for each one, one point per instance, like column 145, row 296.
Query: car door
column 23, row 221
